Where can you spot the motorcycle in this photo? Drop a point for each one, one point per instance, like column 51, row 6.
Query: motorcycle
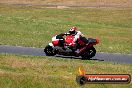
column 84, row 49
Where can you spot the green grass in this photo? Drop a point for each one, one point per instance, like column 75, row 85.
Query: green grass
column 34, row 27
column 51, row 72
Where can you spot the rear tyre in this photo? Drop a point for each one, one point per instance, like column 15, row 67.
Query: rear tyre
column 89, row 54
column 49, row 51
column 92, row 52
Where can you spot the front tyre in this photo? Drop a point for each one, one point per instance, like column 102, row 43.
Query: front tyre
column 89, row 53
column 49, row 51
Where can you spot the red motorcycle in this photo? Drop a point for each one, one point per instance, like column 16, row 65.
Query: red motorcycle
column 84, row 49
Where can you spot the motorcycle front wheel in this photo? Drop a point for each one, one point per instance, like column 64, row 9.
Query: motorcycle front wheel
column 49, row 51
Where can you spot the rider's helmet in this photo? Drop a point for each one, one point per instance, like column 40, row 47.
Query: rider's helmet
column 73, row 30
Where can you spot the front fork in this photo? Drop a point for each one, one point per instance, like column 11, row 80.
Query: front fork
column 50, row 44
column 56, row 49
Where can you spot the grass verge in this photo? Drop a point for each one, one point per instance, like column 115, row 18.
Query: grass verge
column 51, row 72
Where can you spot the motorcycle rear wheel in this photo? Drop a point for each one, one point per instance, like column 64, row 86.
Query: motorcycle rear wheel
column 89, row 54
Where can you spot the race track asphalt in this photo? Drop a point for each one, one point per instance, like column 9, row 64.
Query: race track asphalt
column 109, row 57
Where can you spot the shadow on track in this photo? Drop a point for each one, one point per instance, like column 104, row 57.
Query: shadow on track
column 72, row 57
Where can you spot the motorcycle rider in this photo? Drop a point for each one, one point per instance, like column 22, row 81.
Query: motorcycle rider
column 77, row 34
